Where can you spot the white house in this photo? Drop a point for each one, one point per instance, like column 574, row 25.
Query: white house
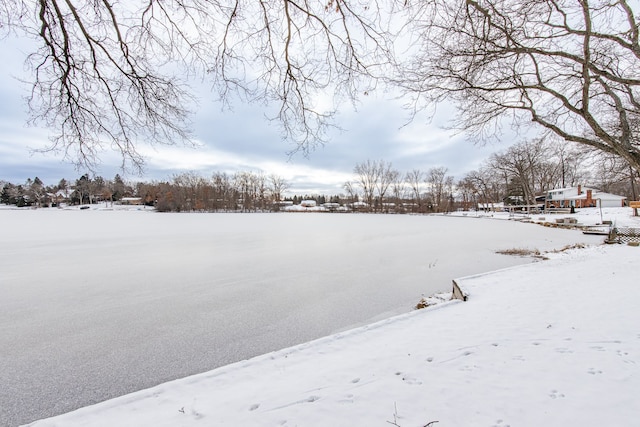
column 582, row 197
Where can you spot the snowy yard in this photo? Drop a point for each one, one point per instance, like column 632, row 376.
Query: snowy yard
column 532, row 344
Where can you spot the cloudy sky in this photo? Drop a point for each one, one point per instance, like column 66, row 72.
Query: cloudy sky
column 242, row 139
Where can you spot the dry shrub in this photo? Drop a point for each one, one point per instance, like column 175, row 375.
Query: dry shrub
column 569, row 247
column 520, row 252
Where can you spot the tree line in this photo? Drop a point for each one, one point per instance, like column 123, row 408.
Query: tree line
column 514, row 176
column 85, row 190
column 527, row 169
column 189, row 191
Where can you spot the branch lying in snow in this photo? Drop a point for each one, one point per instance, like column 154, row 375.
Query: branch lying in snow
column 395, row 418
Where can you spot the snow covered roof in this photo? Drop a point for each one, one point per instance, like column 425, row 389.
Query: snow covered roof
column 565, row 189
column 303, row 208
column 596, row 196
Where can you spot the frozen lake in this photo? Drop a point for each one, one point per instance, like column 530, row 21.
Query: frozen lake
column 96, row 304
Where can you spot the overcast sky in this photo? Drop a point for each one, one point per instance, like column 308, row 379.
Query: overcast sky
column 242, row 139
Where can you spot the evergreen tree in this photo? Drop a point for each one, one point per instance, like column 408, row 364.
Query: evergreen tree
column 7, row 195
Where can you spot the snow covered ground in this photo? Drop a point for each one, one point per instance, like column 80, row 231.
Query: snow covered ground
column 553, row 343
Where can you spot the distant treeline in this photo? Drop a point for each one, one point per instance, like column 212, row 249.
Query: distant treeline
column 222, row 192
column 519, row 175
column 238, row 192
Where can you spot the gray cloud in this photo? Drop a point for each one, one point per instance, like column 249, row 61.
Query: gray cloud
column 242, row 139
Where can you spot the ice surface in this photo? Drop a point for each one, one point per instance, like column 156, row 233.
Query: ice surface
column 96, row 304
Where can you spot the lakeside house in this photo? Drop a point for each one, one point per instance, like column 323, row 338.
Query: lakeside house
column 131, row 201
column 582, row 197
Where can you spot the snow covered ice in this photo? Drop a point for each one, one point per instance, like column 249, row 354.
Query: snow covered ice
column 519, row 344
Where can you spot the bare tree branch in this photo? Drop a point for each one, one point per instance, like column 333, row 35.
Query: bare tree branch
column 112, row 75
column 570, row 66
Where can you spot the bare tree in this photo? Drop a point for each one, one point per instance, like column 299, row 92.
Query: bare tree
column 575, row 164
column 613, row 175
column 277, row 185
column 487, row 185
column 415, row 179
column 367, row 175
column 398, row 187
column 260, row 182
column 243, row 183
column 109, row 74
column 468, row 193
column 571, row 67
column 440, row 186
column 351, row 190
column 520, row 164
column 386, row 176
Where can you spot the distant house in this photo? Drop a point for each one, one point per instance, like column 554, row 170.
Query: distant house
column 305, row 207
column 582, row 197
column 131, row 201
column 331, row 207
column 59, row 197
column 359, row 206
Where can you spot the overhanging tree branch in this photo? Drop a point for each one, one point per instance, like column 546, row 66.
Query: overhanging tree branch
column 571, row 67
column 112, row 74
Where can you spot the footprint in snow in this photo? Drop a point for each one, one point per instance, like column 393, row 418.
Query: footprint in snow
column 254, row 407
column 593, row 371
column 347, row 400
column 555, row 394
column 411, row 381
